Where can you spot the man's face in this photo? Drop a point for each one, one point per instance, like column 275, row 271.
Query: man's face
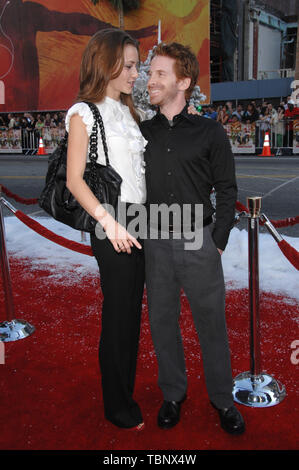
column 163, row 85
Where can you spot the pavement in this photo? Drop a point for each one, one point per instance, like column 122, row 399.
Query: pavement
column 275, row 179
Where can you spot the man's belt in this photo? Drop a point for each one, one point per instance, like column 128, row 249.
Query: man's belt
column 174, row 228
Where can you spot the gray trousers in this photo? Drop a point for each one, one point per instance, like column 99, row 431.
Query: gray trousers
column 169, row 267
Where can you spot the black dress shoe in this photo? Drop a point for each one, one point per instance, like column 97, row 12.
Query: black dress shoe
column 169, row 414
column 231, row 420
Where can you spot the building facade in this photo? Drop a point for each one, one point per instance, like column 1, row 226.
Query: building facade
column 253, row 39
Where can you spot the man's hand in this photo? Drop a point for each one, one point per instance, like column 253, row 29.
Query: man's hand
column 220, row 251
column 192, row 110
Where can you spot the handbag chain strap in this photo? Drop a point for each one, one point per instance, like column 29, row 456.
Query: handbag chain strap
column 93, row 145
column 93, row 140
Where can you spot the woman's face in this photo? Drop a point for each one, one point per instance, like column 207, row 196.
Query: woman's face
column 125, row 81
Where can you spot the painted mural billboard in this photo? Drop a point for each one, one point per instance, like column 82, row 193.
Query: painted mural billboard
column 42, row 41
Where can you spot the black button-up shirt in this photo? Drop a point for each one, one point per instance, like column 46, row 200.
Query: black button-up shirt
column 185, row 160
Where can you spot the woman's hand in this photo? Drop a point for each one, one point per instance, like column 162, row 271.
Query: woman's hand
column 118, row 235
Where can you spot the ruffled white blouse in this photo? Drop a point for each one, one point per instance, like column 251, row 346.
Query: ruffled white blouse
column 125, row 145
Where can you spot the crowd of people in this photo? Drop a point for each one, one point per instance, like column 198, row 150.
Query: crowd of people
column 250, row 113
column 31, row 121
column 31, row 126
column 278, row 121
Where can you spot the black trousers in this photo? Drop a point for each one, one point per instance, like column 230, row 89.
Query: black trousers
column 122, row 283
column 170, row 267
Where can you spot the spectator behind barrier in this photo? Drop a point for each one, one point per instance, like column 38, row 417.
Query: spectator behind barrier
column 251, row 114
column 224, row 115
column 272, row 111
column 30, row 121
column 265, row 120
column 238, row 112
column 39, row 123
column 10, row 121
column 229, row 106
column 291, row 113
column 3, row 126
column 211, row 112
column 48, row 120
column 235, row 118
column 278, row 127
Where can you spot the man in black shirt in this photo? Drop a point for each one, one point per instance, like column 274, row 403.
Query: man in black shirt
column 186, row 156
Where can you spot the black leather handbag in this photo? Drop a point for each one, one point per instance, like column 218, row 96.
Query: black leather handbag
column 103, row 180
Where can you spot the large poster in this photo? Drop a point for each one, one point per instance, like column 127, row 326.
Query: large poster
column 10, row 141
column 52, row 137
column 241, row 136
column 41, row 43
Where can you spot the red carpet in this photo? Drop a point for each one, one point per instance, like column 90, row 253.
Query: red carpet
column 50, row 383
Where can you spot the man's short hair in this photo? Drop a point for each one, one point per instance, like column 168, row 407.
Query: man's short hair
column 186, row 64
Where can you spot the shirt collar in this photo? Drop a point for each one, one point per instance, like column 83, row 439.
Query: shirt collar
column 178, row 117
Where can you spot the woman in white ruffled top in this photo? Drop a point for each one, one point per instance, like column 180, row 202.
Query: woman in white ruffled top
column 107, row 75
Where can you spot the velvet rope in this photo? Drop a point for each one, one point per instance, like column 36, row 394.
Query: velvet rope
column 44, row 232
column 240, row 207
column 285, row 222
column 17, row 198
column 289, row 221
column 290, row 253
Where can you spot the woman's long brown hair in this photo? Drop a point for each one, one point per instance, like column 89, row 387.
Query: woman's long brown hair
column 103, row 61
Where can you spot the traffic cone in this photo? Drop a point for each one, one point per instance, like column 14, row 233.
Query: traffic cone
column 266, row 148
column 41, row 147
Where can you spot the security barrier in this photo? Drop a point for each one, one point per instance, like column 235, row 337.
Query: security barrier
column 245, row 138
column 249, row 138
column 27, row 141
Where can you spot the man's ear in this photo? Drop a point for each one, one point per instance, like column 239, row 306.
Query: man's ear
column 184, row 83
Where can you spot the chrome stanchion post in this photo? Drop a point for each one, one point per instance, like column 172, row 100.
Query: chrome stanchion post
column 254, row 205
column 255, row 388
column 9, row 306
column 271, row 229
column 11, row 329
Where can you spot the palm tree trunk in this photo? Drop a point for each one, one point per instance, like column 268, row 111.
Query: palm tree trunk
column 297, row 54
column 121, row 16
